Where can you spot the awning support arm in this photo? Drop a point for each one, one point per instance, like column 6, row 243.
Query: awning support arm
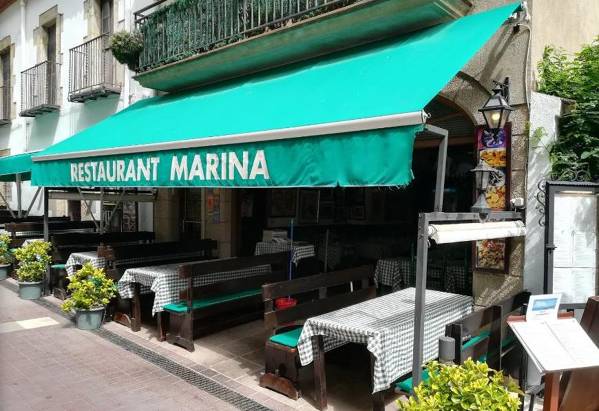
column 116, row 206
column 37, row 192
column 424, row 219
column 443, row 136
column 19, row 193
column 10, row 210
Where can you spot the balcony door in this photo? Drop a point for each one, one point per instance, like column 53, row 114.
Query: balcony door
column 5, row 89
column 51, row 83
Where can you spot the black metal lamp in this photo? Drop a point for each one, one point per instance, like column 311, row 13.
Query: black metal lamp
column 496, row 110
column 482, row 173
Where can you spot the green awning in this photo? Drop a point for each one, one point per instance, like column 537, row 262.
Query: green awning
column 348, row 119
column 10, row 166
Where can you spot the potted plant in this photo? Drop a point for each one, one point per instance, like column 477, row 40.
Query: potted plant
column 90, row 291
column 126, row 47
column 33, row 263
column 5, row 256
column 471, row 386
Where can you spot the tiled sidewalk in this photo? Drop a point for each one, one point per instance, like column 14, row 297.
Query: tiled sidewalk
column 51, row 365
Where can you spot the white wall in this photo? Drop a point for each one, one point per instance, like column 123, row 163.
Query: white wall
column 544, row 111
column 29, row 134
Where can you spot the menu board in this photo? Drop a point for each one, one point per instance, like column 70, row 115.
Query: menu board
column 494, row 150
column 575, row 255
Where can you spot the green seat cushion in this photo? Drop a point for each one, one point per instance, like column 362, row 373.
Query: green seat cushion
column 58, row 266
column 405, row 385
column 288, row 338
column 12, row 250
column 181, row 306
column 474, row 340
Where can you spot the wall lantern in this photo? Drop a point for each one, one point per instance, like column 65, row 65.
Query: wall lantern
column 496, row 110
column 482, row 173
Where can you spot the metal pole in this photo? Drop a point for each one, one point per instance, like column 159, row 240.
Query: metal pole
column 441, row 161
column 19, row 202
column 101, row 210
column 12, row 214
column 326, row 251
column 46, row 238
column 421, row 263
column 37, row 192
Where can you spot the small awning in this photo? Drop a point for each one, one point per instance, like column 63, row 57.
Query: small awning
column 20, row 164
column 456, row 233
column 348, row 119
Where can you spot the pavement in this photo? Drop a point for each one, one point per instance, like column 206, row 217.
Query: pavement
column 46, row 363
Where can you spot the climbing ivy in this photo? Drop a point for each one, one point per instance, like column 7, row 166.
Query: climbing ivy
column 575, row 155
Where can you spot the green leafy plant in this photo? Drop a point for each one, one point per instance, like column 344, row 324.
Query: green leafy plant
column 33, row 261
column 5, row 254
column 90, row 288
column 575, row 155
column 126, row 47
column 471, row 386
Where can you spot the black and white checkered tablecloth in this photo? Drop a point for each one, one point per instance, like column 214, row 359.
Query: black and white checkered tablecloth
column 300, row 249
column 77, row 259
column 386, row 326
column 164, row 281
column 393, row 272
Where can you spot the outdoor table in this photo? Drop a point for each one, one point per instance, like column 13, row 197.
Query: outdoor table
column 386, row 326
column 393, row 272
column 164, row 281
column 301, row 249
column 80, row 258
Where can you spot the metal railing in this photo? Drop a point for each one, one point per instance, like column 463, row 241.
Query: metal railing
column 39, row 87
column 5, row 103
column 92, row 67
column 173, row 32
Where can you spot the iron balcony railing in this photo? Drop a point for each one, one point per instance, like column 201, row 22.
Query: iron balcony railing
column 5, row 104
column 39, row 89
column 176, row 31
column 92, row 70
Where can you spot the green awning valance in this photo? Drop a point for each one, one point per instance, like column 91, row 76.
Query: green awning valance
column 20, row 164
column 347, row 119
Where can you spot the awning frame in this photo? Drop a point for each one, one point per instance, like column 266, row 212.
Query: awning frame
column 424, row 220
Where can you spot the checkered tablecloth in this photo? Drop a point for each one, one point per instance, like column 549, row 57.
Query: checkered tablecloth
column 393, row 272
column 76, row 259
column 164, row 281
column 386, row 326
column 300, row 249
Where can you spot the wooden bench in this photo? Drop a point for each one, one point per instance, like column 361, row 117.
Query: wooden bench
column 480, row 336
column 36, row 229
column 222, row 304
column 64, row 244
column 119, row 258
column 316, row 294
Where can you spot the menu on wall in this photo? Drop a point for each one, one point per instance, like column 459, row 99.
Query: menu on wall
column 494, row 150
column 575, row 240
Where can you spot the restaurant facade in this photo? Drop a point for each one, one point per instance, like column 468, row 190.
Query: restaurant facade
column 350, row 93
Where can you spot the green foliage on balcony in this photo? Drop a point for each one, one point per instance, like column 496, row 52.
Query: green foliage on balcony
column 189, row 27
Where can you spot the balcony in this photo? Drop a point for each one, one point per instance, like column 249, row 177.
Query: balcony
column 92, row 71
column 5, row 104
column 39, row 89
column 215, row 40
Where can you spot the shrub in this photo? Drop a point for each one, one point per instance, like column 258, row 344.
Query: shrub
column 90, row 288
column 126, row 47
column 472, row 386
column 33, row 261
column 5, row 255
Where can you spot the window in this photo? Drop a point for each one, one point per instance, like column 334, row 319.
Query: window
column 5, row 188
column 51, row 57
column 5, row 85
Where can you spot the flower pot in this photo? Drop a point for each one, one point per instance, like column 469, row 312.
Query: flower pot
column 4, row 269
column 89, row 319
column 30, row 291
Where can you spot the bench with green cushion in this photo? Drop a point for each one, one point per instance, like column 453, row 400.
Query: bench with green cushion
column 287, row 338
column 221, row 304
column 58, row 266
column 181, row 306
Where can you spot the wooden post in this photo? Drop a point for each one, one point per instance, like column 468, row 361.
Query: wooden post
column 551, row 401
column 320, row 382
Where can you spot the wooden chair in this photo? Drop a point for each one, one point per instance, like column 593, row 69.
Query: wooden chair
column 222, row 304
column 281, row 357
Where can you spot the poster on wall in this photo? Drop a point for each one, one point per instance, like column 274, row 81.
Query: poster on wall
column 494, row 150
column 213, row 205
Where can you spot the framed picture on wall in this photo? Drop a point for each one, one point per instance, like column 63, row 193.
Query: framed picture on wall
column 308, row 206
column 283, row 202
column 492, row 255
